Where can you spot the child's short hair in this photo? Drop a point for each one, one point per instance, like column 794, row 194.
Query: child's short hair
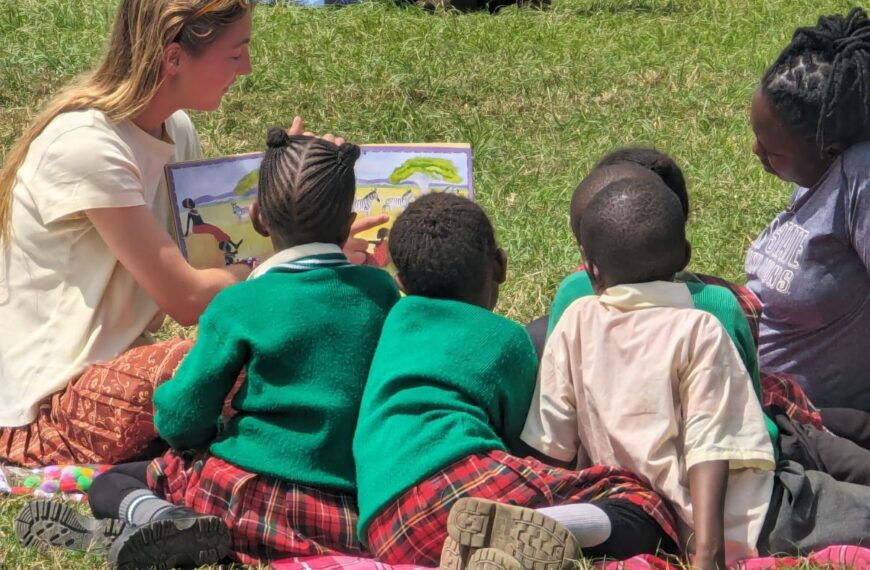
column 659, row 162
column 624, row 163
column 443, row 246
column 634, row 232
column 307, row 186
column 820, row 84
column 598, row 179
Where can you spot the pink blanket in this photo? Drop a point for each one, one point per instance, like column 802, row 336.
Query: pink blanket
column 833, row 557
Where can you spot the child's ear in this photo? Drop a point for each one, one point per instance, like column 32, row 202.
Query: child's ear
column 256, row 220
column 501, row 264
column 398, row 282
column 688, row 255
column 594, row 275
column 592, row 271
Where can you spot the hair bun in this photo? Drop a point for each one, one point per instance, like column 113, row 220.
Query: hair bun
column 348, row 153
column 277, row 138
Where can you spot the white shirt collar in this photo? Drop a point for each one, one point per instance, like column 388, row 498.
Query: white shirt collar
column 292, row 254
column 648, row 295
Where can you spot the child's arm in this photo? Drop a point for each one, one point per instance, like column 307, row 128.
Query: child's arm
column 187, row 407
column 551, row 424
column 723, row 429
column 708, row 482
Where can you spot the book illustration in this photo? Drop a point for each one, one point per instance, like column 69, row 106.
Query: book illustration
column 211, row 198
column 381, row 253
column 364, row 204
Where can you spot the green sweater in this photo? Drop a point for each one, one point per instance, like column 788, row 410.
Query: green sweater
column 307, row 339
column 718, row 301
column 448, row 380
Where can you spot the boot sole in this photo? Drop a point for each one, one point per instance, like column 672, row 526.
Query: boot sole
column 536, row 541
column 492, row 559
column 42, row 524
column 454, row 556
column 166, row 544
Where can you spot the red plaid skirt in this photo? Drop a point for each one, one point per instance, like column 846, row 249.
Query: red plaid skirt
column 412, row 529
column 268, row 518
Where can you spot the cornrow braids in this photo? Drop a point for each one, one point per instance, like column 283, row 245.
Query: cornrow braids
column 307, row 186
column 820, row 83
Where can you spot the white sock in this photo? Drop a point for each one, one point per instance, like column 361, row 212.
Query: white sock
column 589, row 524
column 139, row 507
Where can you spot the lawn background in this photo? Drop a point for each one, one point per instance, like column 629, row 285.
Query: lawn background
column 539, row 95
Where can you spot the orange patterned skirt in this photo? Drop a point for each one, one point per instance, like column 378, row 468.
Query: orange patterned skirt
column 103, row 416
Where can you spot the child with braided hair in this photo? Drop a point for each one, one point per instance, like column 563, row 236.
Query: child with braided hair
column 304, row 327
column 811, row 266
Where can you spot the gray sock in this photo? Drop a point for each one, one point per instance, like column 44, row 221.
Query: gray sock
column 589, row 524
column 141, row 506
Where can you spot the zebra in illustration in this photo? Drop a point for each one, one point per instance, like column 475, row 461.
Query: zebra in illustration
column 364, row 204
column 240, row 212
column 400, row 203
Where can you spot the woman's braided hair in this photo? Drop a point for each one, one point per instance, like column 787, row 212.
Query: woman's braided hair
column 307, row 186
column 820, row 83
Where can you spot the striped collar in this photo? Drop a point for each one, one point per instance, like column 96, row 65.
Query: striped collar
column 302, row 258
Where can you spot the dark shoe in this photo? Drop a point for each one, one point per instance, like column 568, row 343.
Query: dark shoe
column 535, row 540
column 49, row 523
column 178, row 537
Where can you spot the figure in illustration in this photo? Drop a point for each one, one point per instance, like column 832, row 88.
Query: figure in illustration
column 382, row 252
column 194, row 218
column 364, row 205
column 398, row 203
column 239, row 212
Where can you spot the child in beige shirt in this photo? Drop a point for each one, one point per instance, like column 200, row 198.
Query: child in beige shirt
column 637, row 378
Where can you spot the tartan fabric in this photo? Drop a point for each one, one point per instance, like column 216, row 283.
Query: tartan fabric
column 781, row 391
column 103, row 416
column 412, row 529
column 268, row 518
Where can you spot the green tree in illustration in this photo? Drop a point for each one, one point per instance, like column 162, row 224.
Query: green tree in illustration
column 248, row 181
column 423, row 171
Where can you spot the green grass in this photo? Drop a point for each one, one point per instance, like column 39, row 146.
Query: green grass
column 539, row 95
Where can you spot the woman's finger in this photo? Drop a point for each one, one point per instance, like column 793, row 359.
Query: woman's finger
column 367, row 223
column 296, row 127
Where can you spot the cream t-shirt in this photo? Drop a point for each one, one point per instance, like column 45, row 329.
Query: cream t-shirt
column 65, row 299
column 639, row 379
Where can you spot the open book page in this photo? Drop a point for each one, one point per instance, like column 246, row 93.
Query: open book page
column 211, row 197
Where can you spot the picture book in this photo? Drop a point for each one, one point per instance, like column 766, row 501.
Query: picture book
column 211, row 197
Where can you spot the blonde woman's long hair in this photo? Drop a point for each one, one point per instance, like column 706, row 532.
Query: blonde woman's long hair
column 131, row 70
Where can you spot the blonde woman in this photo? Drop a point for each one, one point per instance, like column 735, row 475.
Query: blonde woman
column 87, row 267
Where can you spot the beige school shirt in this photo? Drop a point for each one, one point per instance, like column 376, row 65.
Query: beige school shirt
column 639, row 379
column 65, row 299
